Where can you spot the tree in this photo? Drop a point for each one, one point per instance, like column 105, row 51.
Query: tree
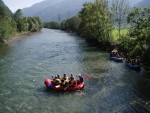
column 34, row 24
column 18, row 15
column 96, row 21
column 7, row 25
column 138, row 43
column 22, row 24
column 31, row 24
column 3, row 12
column 74, row 23
column 120, row 10
column 71, row 24
column 21, row 21
column 39, row 23
column 52, row 25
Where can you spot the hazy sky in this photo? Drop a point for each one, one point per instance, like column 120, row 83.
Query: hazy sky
column 19, row 4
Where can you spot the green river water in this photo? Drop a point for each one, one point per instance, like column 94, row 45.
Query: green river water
column 26, row 62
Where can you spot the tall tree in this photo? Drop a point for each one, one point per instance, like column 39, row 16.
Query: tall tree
column 3, row 11
column 6, row 8
column 34, row 24
column 139, row 32
column 39, row 23
column 7, row 24
column 96, row 21
column 72, row 24
column 120, row 10
column 18, row 15
column 22, row 24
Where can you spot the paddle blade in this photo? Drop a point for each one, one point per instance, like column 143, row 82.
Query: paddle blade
column 88, row 77
column 57, row 86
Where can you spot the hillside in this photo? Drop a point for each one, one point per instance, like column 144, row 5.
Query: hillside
column 134, row 2
column 143, row 4
column 49, row 10
column 33, row 10
column 7, row 9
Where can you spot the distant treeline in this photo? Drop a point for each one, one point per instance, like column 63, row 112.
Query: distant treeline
column 10, row 24
column 52, row 25
column 97, row 21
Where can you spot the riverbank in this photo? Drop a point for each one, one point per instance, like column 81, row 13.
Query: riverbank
column 18, row 36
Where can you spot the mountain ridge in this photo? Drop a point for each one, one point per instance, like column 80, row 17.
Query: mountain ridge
column 7, row 9
column 51, row 10
column 35, row 8
column 143, row 4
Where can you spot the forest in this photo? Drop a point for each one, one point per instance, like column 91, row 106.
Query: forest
column 12, row 24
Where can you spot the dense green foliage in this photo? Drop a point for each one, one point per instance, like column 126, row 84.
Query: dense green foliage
column 72, row 24
column 136, row 41
column 96, row 21
column 31, row 24
column 6, row 8
column 7, row 25
column 18, row 15
column 139, row 33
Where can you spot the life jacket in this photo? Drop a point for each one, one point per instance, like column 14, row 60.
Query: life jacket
column 73, row 82
column 58, row 81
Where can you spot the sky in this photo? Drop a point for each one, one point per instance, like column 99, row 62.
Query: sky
column 19, row 4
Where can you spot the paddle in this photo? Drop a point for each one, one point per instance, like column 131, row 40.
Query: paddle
column 88, row 76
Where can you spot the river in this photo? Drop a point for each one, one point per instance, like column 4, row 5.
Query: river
column 26, row 62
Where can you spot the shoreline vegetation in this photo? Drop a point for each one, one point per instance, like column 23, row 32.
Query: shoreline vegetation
column 13, row 26
column 19, row 35
column 113, row 28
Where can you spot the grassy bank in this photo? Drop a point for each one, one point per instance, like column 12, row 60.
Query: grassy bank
column 115, row 33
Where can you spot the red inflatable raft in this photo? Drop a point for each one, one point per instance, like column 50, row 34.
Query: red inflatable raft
column 48, row 83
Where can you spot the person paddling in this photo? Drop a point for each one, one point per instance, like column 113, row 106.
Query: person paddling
column 73, row 82
column 56, row 81
column 64, row 80
column 80, row 78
